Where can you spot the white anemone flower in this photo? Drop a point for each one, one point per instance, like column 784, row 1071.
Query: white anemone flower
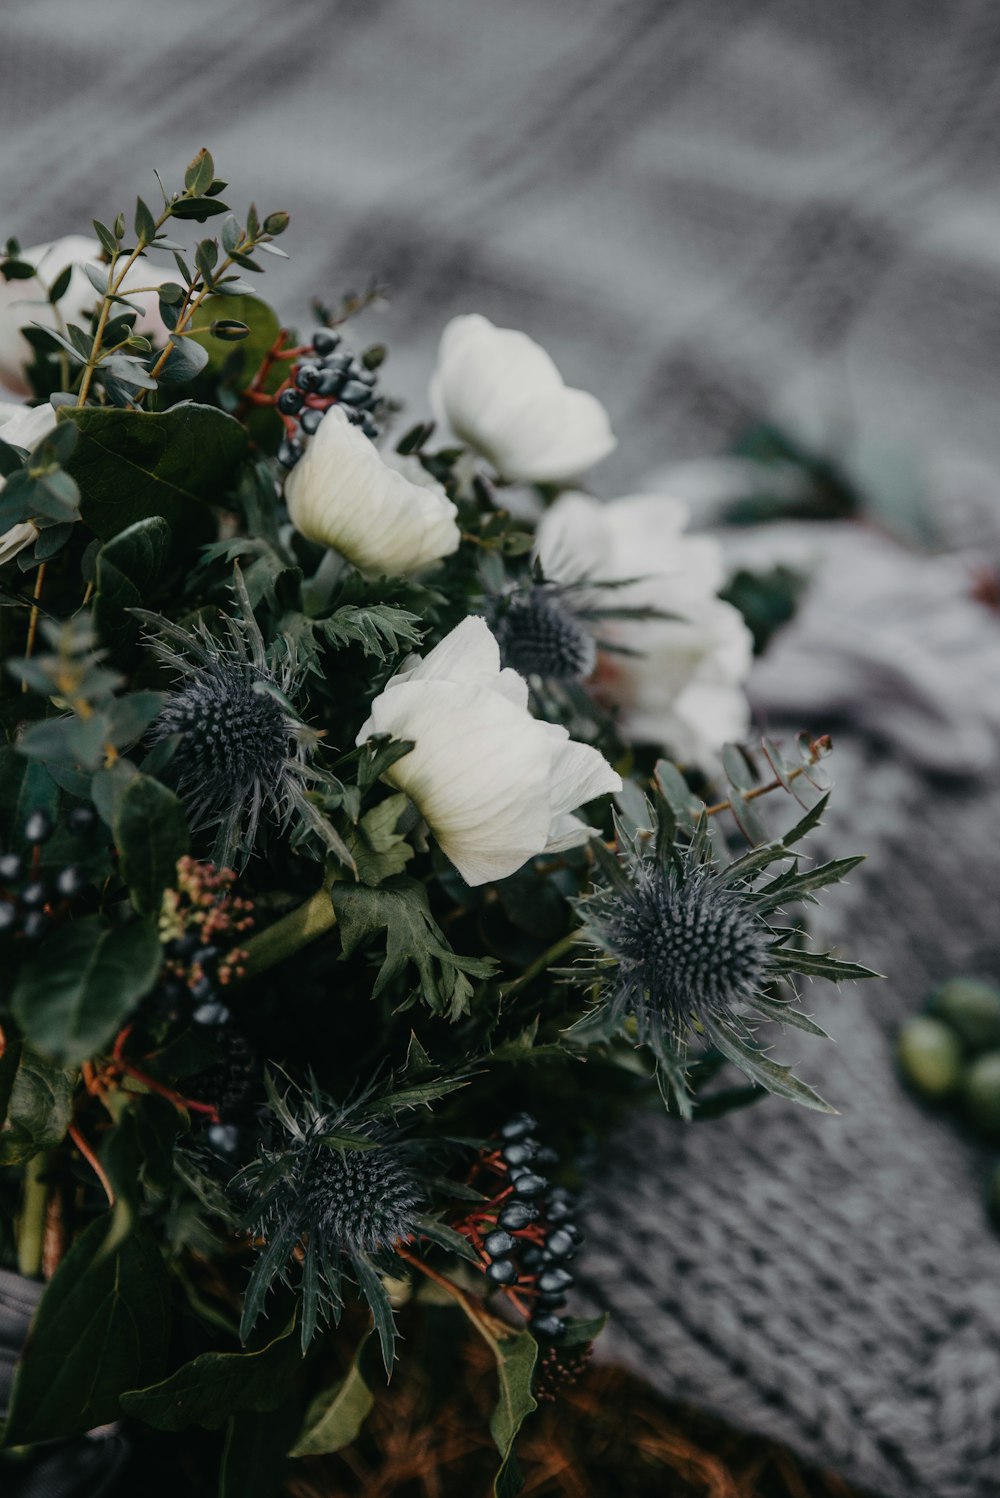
column 495, row 785
column 384, row 516
column 25, row 302
column 25, row 427
column 679, row 681
column 500, row 392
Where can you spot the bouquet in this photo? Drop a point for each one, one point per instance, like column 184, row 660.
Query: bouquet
column 378, row 819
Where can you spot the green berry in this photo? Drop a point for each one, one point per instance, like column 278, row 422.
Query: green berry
column 930, row 1056
column 972, row 1009
column 981, row 1091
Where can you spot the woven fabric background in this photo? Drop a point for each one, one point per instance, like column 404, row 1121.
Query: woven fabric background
column 706, row 209
column 703, row 207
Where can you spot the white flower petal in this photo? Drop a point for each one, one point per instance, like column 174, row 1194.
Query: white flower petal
column 16, row 539
column 25, row 302
column 343, row 494
column 501, row 393
column 493, row 783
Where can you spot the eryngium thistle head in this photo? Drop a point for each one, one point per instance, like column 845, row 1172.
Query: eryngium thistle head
column 237, row 748
column 682, row 946
column 363, row 1199
column 689, row 949
column 539, row 634
column 233, row 735
column 334, row 1192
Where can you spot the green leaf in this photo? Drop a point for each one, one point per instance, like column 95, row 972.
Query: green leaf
column 759, row 1067
column 446, row 1237
column 515, row 1359
column 100, row 1328
column 151, row 835
column 215, row 1385
column 85, row 980
column 245, row 311
column 819, row 965
column 378, row 850
column 335, row 1417
column 200, row 173
column 372, row 1288
column 39, row 1108
column 382, row 630
column 128, row 569
column 254, row 1460
column 793, row 885
column 185, row 361
column 130, row 465
column 401, row 908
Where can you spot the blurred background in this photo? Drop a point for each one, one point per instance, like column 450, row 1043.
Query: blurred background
column 714, row 214
column 707, row 210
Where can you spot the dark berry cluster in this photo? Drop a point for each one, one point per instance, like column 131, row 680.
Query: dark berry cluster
column 526, row 1233
column 201, row 923
column 324, row 377
column 32, row 901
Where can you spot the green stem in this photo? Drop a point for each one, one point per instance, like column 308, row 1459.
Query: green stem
column 293, row 932
column 31, row 1229
column 541, row 964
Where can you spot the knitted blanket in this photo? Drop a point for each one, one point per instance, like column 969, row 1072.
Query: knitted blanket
column 835, row 1282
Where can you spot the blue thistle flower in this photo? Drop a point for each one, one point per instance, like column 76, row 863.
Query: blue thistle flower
column 684, row 949
column 541, row 634
column 238, row 749
column 337, row 1191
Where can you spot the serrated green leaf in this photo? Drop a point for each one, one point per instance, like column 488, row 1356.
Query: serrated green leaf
column 759, row 1067
column 819, row 965
column 796, row 885
column 401, row 908
column 101, row 1327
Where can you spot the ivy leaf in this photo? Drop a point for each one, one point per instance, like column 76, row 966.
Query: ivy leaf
column 151, row 835
column 335, row 1417
column 39, row 1108
column 86, row 979
column 215, row 1385
column 130, row 465
column 401, row 908
column 101, row 1327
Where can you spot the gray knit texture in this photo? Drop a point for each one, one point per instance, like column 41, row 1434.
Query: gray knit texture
column 834, row 1282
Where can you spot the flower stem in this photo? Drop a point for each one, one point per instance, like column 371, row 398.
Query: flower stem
column 293, row 932
column 541, row 964
column 31, row 1228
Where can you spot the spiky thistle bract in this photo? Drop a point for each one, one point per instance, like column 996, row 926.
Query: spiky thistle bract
column 339, row 1187
column 683, row 948
column 238, row 748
